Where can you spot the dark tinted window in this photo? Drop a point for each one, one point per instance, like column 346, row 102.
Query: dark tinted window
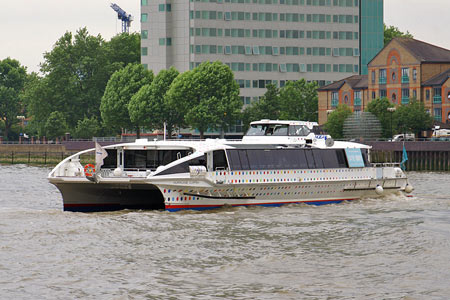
column 110, row 162
column 310, row 159
column 318, row 158
column 365, row 156
column 244, row 159
column 184, row 167
column 151, row 159
column 219, row 160
column 258, row 159
column 330, row 159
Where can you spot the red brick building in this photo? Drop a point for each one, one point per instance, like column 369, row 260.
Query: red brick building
column 402, row 70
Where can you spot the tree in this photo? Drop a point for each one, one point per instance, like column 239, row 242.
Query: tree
column 299, row 101
column 335, row 123
column 74, row 76
column 208, row 97
column 412, row 118
column 379, row 107
column 56, row 125
column 77, row 70
column 150, row 105
column 268, row 107
column 121, row 87
column 12, row 80
column 87, row 128
column 392, row 32
column 124, row 49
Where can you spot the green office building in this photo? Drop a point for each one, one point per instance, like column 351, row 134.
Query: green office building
column 371, row 31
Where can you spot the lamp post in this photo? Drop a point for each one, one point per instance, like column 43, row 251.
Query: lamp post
column 391, row 110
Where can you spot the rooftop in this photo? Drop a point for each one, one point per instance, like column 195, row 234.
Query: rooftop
column 355, row 82
column 424, row 51
column 439, row 79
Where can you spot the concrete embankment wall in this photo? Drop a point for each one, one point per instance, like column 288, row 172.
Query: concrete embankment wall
column 422, row 155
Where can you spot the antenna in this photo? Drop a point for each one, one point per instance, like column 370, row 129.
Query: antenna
column 123, row 16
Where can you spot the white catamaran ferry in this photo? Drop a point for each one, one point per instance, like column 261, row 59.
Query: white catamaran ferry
column 276, row 163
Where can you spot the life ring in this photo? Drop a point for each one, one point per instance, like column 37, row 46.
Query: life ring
column 89, row 170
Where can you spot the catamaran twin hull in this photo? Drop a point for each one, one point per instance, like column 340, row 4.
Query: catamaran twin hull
column 276, row 163
column 223, row 188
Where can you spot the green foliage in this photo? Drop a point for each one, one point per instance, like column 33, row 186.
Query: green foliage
column 299, row 101
column 75, row 74
column 412, row 118
column 207, row 96
column 150, row 105
column 121, row 87
column 124, row 49
column 335, row 123
column 56, row 125
column 392, row 32
column 268, row 107
column 12, row 81
column 379, row 107
column 87, row 128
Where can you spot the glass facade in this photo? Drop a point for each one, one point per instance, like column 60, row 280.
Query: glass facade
column 371, row 31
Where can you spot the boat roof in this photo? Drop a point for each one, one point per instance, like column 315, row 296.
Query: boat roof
column 284, row 122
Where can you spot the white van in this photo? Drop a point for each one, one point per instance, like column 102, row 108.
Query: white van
column 403, row 137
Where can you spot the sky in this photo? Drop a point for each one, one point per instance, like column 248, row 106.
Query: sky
column 29, row 28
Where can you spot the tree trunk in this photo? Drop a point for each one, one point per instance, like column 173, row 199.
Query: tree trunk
column 138, row 132
column 169, row 132
column 202, row 135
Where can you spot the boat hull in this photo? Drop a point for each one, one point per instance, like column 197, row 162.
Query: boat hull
column 91, row 197
column 185, row 197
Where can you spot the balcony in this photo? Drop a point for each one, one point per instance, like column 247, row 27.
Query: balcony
column 437, row 99
column 357, row 102
column 382, row 80
column 405, row 100
column 405, row 79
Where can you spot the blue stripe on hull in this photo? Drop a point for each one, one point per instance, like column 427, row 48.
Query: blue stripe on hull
column 201, row 208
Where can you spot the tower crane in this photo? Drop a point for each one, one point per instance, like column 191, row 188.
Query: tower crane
column 123, row 16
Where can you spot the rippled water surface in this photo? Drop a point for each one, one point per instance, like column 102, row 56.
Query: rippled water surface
column 391, row 248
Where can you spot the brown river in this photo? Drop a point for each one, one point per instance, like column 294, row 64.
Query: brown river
column 389, row 248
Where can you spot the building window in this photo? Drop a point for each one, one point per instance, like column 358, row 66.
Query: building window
column 144, row 2
column 405, row 75
column 414, row 94
column 168, row 41
column 144, row 34
column 383, row 93
column 162, row 41
column 334, row 99
column 414, row 74
column 437, row 96
column 282, row 68
column 405, row 96
column 437, row 114
column 357, row 98
column 169, row 7
column 394, row 97
column 373, row 77
column 374, row 95
column 394, row 76
column 144, row 51
column 227, row 49
column 382, row 76
column 144, row 18
column 161, row 7
column 427, row 94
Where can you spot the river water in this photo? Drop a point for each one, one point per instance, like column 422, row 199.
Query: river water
column 391, row 248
